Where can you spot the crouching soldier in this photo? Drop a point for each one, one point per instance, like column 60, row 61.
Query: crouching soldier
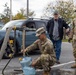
column 47, row 57
column 73, row 38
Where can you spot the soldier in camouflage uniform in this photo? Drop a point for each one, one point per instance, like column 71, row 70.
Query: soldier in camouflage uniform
column 73, row 38
column 47, row 57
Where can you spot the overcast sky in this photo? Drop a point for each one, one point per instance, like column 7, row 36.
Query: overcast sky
column 34, row 5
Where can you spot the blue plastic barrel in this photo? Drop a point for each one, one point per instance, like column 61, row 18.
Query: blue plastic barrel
column 29, row 71
column 26, row 61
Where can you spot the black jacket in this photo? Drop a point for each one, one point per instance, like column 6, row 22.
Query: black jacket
column 50, row 26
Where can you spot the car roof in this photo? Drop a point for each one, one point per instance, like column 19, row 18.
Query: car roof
column 19, row 20
column 32, row 20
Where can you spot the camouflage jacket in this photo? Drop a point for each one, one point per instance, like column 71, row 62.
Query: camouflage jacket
column 46, row 47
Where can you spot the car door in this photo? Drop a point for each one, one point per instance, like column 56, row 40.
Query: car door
column 32, row 26
column 30, row 32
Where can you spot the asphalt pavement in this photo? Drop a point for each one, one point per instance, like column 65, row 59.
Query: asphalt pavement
column 66, row 60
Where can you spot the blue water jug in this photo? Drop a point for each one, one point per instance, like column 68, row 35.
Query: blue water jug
column 26, row 61
column 29, row 71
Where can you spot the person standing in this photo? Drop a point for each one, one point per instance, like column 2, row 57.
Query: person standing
column 47, row 57
column 72, row 37
column 55, row 30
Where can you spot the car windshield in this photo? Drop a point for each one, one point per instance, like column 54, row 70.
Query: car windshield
column 16, row 23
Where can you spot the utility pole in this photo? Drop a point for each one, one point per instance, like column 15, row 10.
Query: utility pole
column 10, row 10
column 27, row 9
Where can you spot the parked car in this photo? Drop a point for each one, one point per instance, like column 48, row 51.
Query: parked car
column 30, row 35
column 1, row 24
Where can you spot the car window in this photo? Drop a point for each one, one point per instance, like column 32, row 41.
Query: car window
column 29, row 25
column 13, row 23
column 40, row 24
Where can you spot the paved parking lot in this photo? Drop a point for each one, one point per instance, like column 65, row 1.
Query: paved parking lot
column 66, row 57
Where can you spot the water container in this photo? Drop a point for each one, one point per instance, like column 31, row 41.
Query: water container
column 26, row 61
column 29, row 71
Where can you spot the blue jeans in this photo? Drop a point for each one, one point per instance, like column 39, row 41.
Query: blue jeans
column 57, row 46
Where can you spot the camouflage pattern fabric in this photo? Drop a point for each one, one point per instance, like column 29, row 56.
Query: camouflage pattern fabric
column 44, row 61
column 73, row 36
column 74, row 48
column 47, row 58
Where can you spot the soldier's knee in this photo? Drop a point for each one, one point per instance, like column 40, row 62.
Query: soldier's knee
column 45, row 56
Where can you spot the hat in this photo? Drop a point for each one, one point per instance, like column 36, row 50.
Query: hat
column 40, row 31
column 55, row 12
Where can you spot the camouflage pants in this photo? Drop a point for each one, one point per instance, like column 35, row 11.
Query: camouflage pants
column 44, row 62
column 74, row 48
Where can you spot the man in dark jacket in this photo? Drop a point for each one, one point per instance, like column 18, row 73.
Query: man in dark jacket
column 55, row 30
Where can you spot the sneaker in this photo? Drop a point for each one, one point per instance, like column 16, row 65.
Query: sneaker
column 57, row 62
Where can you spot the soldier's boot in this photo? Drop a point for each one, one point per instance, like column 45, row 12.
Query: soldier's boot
column 46, row 73
column 73, row 66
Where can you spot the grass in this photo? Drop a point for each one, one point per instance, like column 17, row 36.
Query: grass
column 65, row 40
